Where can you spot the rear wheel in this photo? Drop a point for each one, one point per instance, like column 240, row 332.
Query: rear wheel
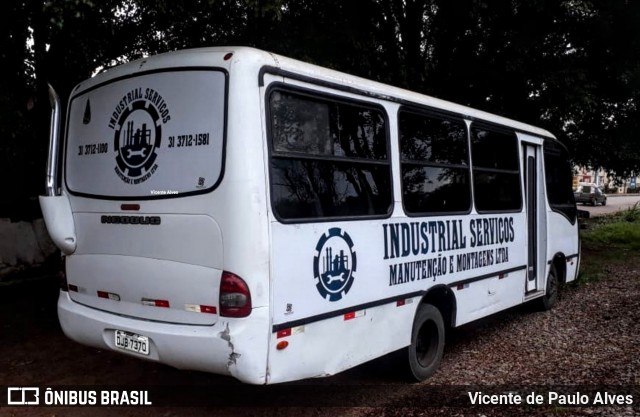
column 427, row 343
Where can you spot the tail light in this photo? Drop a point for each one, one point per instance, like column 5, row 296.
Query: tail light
column 62, row 275
column 235, row 297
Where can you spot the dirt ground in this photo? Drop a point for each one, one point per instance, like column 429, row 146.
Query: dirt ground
column 590, row 342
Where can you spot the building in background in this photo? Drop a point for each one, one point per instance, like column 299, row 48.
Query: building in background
column 599, row 177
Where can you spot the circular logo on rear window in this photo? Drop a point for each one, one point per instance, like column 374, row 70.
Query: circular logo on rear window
column 137, row 123
column 137, row 139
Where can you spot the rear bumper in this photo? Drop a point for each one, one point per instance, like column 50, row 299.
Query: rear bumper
column 216, row 349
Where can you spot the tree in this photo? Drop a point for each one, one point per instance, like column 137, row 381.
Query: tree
column 572, row 66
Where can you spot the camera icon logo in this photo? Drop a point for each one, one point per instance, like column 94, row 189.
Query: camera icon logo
column 23, row 396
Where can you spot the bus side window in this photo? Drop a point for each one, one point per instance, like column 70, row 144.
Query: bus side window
column 329, row 157
column 496, row 175
column 434, row 164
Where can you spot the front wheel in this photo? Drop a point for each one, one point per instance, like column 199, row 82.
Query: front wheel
column 551, row 294
column 427, row 343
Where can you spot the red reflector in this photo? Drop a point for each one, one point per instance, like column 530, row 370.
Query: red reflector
column 108, row 295
column 460, row 286
column 74, row 288
column 283, row 333
column 350, row 316
column 208, row 309
column 130, row 207
column 155, row 303
column 400, row 303
column 228, row 56
column 282, row 345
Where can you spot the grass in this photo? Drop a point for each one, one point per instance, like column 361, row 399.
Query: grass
column 622, row 235
column 608, row 240
column 620, row 230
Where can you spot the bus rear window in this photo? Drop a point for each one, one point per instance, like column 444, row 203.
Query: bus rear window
column 155, row 135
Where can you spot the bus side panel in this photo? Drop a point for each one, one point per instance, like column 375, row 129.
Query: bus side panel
column 328, row 272
column 330, row 346
column 482, row 298
column 337, row 332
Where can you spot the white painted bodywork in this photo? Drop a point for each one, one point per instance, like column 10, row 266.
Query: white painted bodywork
column 56, row 211
column 232, row 228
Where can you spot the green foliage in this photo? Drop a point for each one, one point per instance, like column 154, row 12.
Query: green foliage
column 620, row 231
column 607, row 240
column 622, row 235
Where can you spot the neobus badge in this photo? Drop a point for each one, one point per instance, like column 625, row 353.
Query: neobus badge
column 150, row 220
column 334, row 264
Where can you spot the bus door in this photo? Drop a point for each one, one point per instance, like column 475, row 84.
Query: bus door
column 534, row 209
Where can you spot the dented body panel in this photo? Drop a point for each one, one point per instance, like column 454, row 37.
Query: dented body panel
column 225, row 348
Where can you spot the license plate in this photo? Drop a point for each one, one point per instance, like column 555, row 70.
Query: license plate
column 132, row 342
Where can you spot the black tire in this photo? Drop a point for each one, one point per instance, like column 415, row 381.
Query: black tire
column 424, row 354
column 550, row 297
column 604, row 202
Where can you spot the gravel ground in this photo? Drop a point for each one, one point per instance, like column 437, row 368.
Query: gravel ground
column 589, row 342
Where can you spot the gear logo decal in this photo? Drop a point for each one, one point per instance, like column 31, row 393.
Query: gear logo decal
column 334, row 264
column 137, row 123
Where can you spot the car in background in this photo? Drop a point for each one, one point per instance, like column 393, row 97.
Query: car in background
column 590, row 194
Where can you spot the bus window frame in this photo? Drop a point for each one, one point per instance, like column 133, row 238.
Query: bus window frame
column 435, row 113
column 331, row 97
column 497, row 128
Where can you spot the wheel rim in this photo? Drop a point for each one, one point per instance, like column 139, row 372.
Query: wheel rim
column 427, row 343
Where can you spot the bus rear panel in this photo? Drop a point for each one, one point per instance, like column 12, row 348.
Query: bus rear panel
column 155, row 271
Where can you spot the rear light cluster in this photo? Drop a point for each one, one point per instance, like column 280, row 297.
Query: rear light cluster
column 235, row 297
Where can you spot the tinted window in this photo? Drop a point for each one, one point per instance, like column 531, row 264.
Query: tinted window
column 434, row 164
column 329, row 158
column 496, row 176
column 312, row 126
column 155, row 135
column 559, row 179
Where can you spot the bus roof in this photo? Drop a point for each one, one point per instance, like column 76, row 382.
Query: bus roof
column 267, row 62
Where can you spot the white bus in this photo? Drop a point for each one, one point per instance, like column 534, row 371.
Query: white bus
column 238, row 212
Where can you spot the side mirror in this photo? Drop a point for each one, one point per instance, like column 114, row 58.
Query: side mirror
column 583, row 214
